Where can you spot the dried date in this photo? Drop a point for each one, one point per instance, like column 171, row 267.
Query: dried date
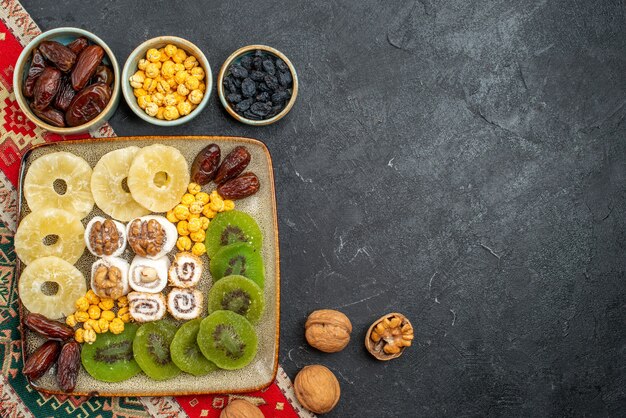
column 235, row 162
column 36, row 67
column 46, row 87
column 68, row 366
column 50, row 115
column 88, row 104
column 49, row 328
column 41, row 360
column 61, row 56
column 78, row 44
column 243, row 186
column 65, row 94
column 103, row 74
column 205, row 164
column 86, row 66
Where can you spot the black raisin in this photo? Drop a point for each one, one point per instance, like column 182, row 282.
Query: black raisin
column 230, row 84
column 271, row 81
column 246, row 62
column 238, row 71
column 275, row 111
column 248, row 87
column 249, row 115
column 257, row 75
column 263, row 97
column 244, row 105
column 234, row 97
column 280, row 96
column 281, row 65
column 259, row 53
column 268, row 66
column 257, row 63
column 284, row 78
column 261, row 109
column 263, row 87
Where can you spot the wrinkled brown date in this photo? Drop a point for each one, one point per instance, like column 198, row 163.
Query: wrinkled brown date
column 41, row 360
column 46, row 87
column 245, row 185
column 78, row 45
column 65, row 94
column 103, row 74
column 50, row 115
column 68, row 366
column 36, row 67
column 205, row 164
column 58, row 54
column 235, row 162
column 88, row 104
column 86, row 66
column 49, row 328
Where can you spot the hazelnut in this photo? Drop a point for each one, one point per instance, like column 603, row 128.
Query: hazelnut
column 240, row 408
column 328, row 330
column 388, row 336
column 317, row 389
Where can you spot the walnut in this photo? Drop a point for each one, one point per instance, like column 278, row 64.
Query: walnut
column 388, row 336
column 146, row 238
column 107, row 281
column 240, row 408
column 328, row 330
column 104, row 237
column 317, row 389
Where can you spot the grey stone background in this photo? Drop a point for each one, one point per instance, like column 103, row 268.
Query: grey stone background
column 462, row 162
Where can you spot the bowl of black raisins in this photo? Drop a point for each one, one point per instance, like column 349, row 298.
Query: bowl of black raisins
column 257, row 85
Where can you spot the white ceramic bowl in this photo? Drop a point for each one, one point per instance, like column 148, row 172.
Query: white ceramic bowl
column 65, row 36
column 130, row 67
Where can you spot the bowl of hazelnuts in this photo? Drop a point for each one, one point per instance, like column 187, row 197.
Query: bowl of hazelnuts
column 167, row 81
column 66, row 81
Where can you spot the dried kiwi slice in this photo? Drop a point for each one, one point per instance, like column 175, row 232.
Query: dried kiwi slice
column 242, row 259
column 151, row 349
column 110, row 357
column 228, row 340
column 185, row 351
column 237, row 294
column 232, row 227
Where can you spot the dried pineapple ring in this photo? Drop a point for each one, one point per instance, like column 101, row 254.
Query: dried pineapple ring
column 40, row 181
column 106, row 185
column 70, row 281
column 36, row 226
column 146, row 181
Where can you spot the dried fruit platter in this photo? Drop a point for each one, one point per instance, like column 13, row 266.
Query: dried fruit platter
column 261, row 206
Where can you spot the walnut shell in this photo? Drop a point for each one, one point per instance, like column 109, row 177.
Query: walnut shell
column 328, row 330
column 240, row 408
column 388, row 336
column 317, row 389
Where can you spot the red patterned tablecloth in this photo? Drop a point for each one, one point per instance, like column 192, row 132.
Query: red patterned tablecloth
column 17, row 398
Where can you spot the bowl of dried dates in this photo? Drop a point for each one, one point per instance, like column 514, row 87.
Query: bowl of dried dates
column 257, row 85
column 167, row 81
column 66, row 81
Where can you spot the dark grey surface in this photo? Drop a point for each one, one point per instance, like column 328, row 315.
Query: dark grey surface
column 462, row 162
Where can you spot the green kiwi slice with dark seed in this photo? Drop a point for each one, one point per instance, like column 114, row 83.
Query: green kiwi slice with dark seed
column 232, row 227
column 110, row 357
column 237, row 294
column 228, row 340
column 151, row 349
column 241, row 259
column 185, row 351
